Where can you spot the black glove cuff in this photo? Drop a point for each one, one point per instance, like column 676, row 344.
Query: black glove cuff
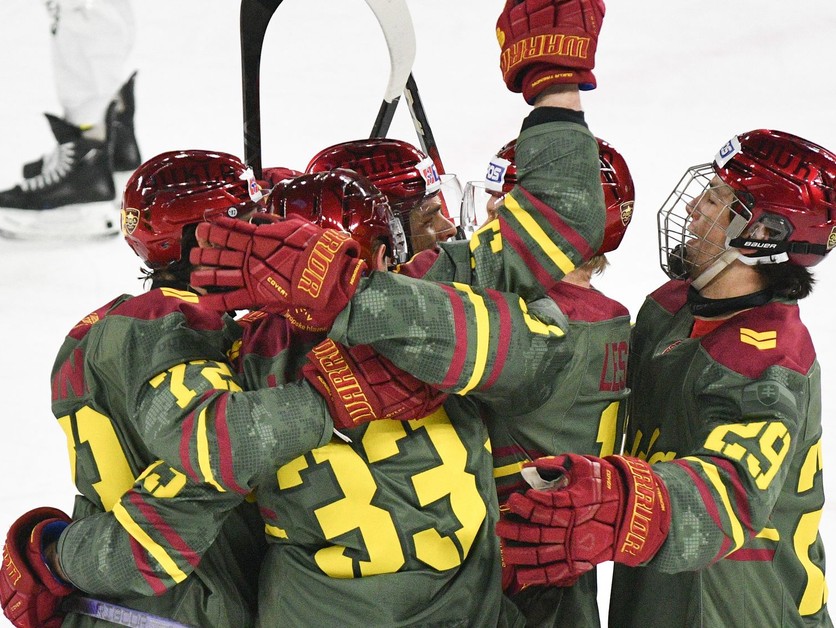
column 542, row 115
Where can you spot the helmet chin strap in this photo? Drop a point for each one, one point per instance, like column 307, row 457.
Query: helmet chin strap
column 727, row 257
column 718, row 266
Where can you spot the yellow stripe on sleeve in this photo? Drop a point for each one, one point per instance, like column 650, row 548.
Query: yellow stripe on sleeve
column 153, row 548
column 714, row 477
column 508, row 469
column 546, row 244
column 203, row 457
column 482, row 337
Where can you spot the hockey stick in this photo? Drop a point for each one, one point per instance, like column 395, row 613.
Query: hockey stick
column 422, row 124
column 115, row 614
column 396, row 23
column 255, row 17
column 398, row 31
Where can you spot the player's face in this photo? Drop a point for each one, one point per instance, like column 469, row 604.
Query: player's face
column 709, row 216
column 492, row 206
column 428, row 225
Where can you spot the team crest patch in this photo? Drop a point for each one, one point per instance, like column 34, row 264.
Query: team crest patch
column 831, row 239
column 767, row 394
column 130, row 220
column 626, row 213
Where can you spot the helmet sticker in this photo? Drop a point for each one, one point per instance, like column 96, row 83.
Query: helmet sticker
column 831, row 239
column 495, row 176
column 727, row 152
column 430, row 175
column 253, row 188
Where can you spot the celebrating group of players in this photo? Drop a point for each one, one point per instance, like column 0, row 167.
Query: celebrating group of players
column 340, row 454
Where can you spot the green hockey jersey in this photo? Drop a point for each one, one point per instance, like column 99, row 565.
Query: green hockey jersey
column 731, row 421
column 101, row 373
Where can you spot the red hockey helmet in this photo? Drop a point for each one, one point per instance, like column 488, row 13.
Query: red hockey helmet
column 619, row 196
column 616, row 181
column 787, row 186
column 342, row 199
column 180, row 188
column 402, row 172
column 272, row 176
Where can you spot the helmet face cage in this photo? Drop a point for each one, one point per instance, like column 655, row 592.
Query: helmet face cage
column 678, row 212
column 180, row 188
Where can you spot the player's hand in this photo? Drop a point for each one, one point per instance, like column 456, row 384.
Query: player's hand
column 29, row 592
column 359, row 386
column 597, row 509
column 548, row 42
column 292, row 267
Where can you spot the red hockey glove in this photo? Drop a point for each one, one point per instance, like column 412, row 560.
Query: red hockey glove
column 599, row 509
column 515, row 578
column 548, row 42
column 360, row 385
column 291, row 267
column 29, row 593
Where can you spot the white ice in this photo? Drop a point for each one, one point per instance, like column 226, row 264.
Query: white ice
column 677, row 79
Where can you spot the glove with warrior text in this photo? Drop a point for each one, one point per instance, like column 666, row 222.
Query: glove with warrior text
column 548, row 42
column 594, row 510
column 29, row 592
column 359, row 386
column 291, row 267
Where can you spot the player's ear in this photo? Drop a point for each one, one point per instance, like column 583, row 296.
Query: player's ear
column 379, row 257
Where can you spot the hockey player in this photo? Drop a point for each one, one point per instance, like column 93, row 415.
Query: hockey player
column 70, row 192
column 407, row 177
column 446, row 553
column 581, row 414
column 716, row 505
column 147, row 369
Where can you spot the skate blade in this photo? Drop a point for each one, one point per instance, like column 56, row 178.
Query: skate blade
column 83, row 221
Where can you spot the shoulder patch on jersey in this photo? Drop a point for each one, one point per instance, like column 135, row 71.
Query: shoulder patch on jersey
column 754, row 340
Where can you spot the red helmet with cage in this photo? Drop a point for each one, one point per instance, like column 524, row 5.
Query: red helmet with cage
column 342, row 199
column 786, row 188
column 180, row 188
column 402, row 172
column 617, row 183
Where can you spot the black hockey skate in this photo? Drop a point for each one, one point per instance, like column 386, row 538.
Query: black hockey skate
column 121, row 138
column 72, row 195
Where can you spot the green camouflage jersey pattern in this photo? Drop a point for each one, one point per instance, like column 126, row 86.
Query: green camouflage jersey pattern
column 101, row 379
column 527, row 250
column 731, row 421
column 222, row 438
column 580, row 416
